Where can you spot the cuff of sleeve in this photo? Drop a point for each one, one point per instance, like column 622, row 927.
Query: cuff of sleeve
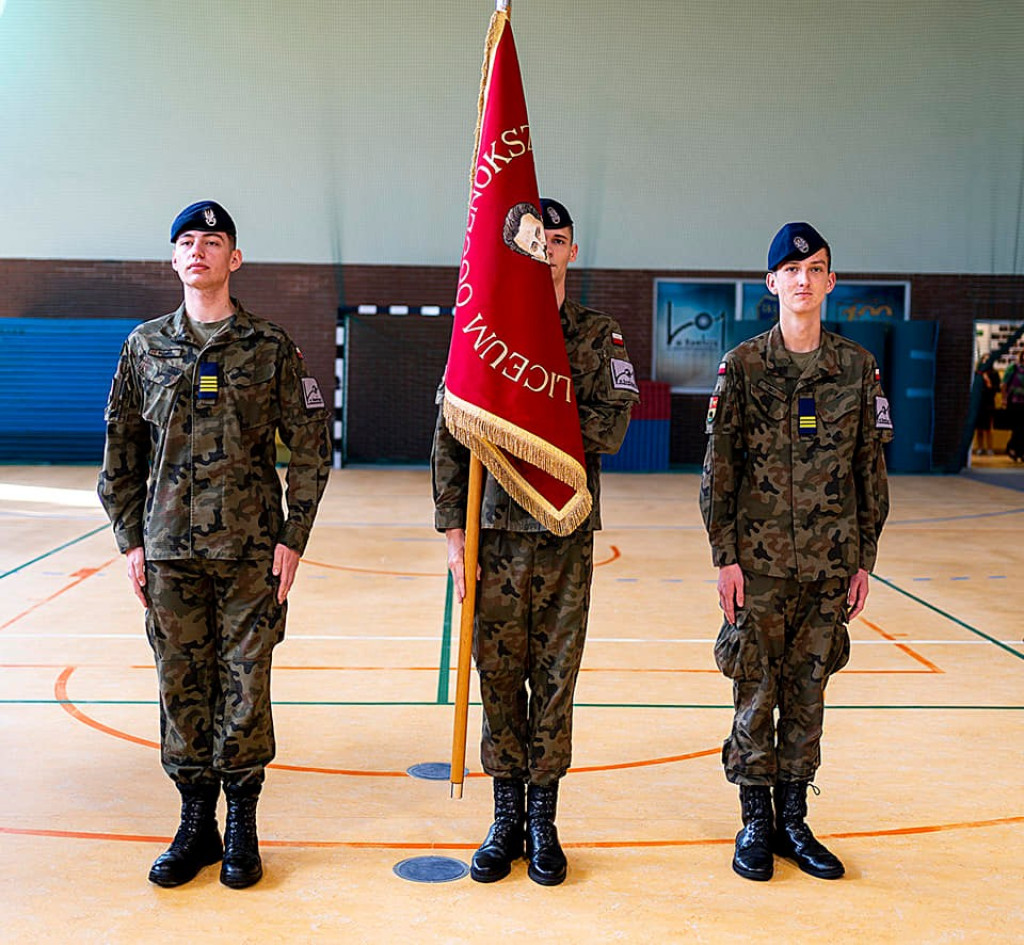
column 722, row 557
column 128, row 538
column 293, row 536
column 449, row 518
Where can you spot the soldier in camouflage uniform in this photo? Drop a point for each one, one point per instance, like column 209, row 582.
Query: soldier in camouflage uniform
column 190, row 485
column 794, row 496
column 533, row 595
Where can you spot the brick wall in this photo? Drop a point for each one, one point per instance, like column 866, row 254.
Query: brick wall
column 391, row 389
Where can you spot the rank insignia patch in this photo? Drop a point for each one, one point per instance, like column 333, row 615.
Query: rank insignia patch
column 209, row 381
column 806, row 416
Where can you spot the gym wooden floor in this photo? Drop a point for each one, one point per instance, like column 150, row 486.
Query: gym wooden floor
column 921, row 782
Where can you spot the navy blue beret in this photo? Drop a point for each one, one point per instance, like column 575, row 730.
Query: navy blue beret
column 205, row 215
column 554, row 213
column 795, row 241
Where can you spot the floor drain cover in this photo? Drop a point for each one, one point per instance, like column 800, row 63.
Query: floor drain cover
column 431, row 869
column 431, row 771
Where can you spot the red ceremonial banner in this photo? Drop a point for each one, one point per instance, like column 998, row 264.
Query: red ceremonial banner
column 508, row 386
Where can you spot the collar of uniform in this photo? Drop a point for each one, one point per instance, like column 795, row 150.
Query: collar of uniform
column 240, row 328
column 777, row 359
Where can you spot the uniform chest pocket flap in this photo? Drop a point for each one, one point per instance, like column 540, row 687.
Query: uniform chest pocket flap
column 250, row 373
column 164, row 369
column 252, row 392
column 770, row 400
column 839, row 410
column 161, row 375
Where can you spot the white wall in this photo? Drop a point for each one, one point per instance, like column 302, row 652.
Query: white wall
column 680, row 133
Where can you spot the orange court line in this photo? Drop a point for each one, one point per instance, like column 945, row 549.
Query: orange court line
column 903, row 646
column 81, row 575
column 61, row 694
column 616, row 554
column 582, row 844
column 671, row 759
column 452, row 669
column 433, row 669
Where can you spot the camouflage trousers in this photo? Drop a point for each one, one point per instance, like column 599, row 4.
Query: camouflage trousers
column 531, row 623
column 787, row 640
column 213, row 625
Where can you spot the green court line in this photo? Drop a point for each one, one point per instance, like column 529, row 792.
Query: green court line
column 578, row 705
column 446, row 644
column 956, row 620
column 47, row 554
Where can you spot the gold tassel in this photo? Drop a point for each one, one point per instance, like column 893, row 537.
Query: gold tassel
column 488, row 435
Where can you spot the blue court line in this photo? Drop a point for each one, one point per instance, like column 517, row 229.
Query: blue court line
column 956, row 620
column 53, row 551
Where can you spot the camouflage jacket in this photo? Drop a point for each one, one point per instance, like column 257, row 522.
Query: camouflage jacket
column 794, row 481
column 605, row 393
column 188, row 475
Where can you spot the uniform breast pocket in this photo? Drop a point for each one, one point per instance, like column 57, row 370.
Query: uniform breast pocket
column 768, row 418
column 839, row 414
column 161, row 377
column 252, row 389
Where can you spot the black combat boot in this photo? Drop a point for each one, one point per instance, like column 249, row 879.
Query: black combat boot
column 753, row 857
column 504, row 841
column 793, row 838
column 242, row 865
column 197, row 842
column 547, row 861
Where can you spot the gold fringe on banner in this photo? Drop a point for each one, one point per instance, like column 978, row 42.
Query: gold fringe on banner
column 488, row 435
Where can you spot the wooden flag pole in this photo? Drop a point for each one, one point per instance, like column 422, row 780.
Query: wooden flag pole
column 470, row 559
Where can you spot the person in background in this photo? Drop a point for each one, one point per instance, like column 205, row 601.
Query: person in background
column 987, row 409
column 1013, row 400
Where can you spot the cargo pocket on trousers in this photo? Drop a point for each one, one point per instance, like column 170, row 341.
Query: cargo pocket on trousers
column 839, row 654
column 736, row 655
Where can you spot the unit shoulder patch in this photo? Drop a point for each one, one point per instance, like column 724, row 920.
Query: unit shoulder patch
column 712, row 410
column 623, row 376
column 311, row 396
column 883, row 419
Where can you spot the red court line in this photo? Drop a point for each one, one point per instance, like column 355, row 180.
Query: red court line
column 81, row 575
column 579, row 845
column 932, row 668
